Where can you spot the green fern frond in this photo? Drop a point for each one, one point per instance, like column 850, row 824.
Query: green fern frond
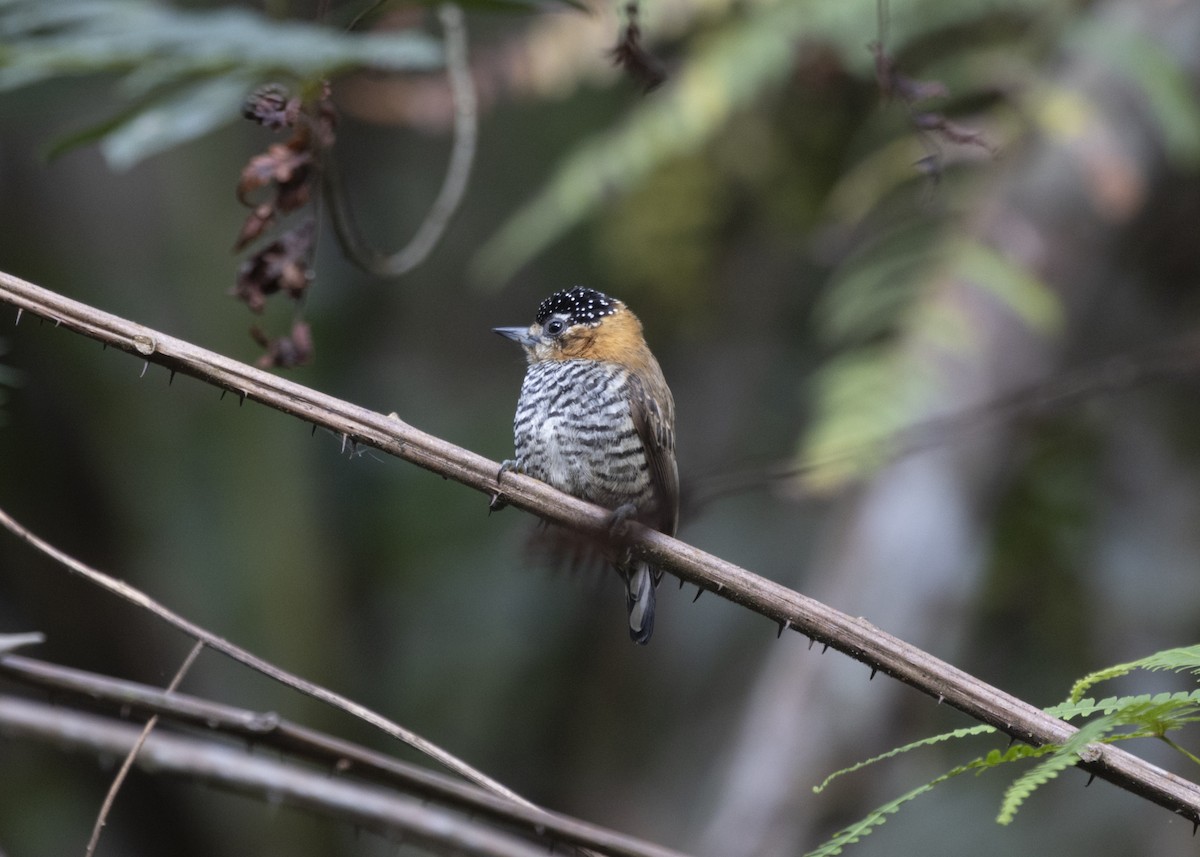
column 1028, row 782
column 1152, row 716
column 1061, row 758
column 1087, row 707
column 875, row 818
column 1175, row 660
column 879, row 816
column 1156, row 720
column 731, row 67
column 1149, row 715
column 873, row 400
column 981, row 729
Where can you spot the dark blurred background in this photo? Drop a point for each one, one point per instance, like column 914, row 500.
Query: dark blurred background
column 816, row 275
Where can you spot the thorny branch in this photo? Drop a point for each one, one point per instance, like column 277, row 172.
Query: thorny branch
column 855, row 637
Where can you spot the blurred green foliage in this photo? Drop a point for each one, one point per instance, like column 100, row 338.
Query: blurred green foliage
column 185, row 72
column 765, row 213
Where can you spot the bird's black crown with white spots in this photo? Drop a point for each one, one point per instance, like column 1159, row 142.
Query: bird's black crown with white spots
column 579, row 305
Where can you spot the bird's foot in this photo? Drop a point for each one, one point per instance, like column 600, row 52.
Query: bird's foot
column 498, row 502
column 621, row 514
column 505, row 466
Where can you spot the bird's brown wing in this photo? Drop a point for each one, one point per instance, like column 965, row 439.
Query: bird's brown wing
column 653, row 414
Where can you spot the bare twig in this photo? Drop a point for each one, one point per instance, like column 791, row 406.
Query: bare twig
column 140, row 599
column 1175, row 359
column 270, row 730
column 232, row 768
column 123, row 772
column 855, row 637
column 458, row 170
column 12, row 642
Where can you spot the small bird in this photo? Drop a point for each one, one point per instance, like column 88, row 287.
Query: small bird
column 596, row 420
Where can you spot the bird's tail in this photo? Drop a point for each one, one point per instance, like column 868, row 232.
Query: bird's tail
column 639, row 599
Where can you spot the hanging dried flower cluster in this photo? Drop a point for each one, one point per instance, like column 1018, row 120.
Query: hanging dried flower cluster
column 274, row 184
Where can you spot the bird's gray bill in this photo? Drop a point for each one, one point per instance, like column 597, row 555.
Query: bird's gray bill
column 517, row 334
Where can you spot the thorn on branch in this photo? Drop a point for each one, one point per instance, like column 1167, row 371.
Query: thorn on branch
column 145, row 366
column 699, row 592
column 783, row 626
column 1090, row 778
column 497, row 503
column 873, row 671
column 171, row 378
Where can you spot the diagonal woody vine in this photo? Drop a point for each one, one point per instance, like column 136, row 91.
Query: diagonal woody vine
column 853, row 636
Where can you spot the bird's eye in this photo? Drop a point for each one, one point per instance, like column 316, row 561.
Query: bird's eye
column 555, row 326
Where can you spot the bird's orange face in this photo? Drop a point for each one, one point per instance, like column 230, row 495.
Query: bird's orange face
column 615, row 338
column 581, row 324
